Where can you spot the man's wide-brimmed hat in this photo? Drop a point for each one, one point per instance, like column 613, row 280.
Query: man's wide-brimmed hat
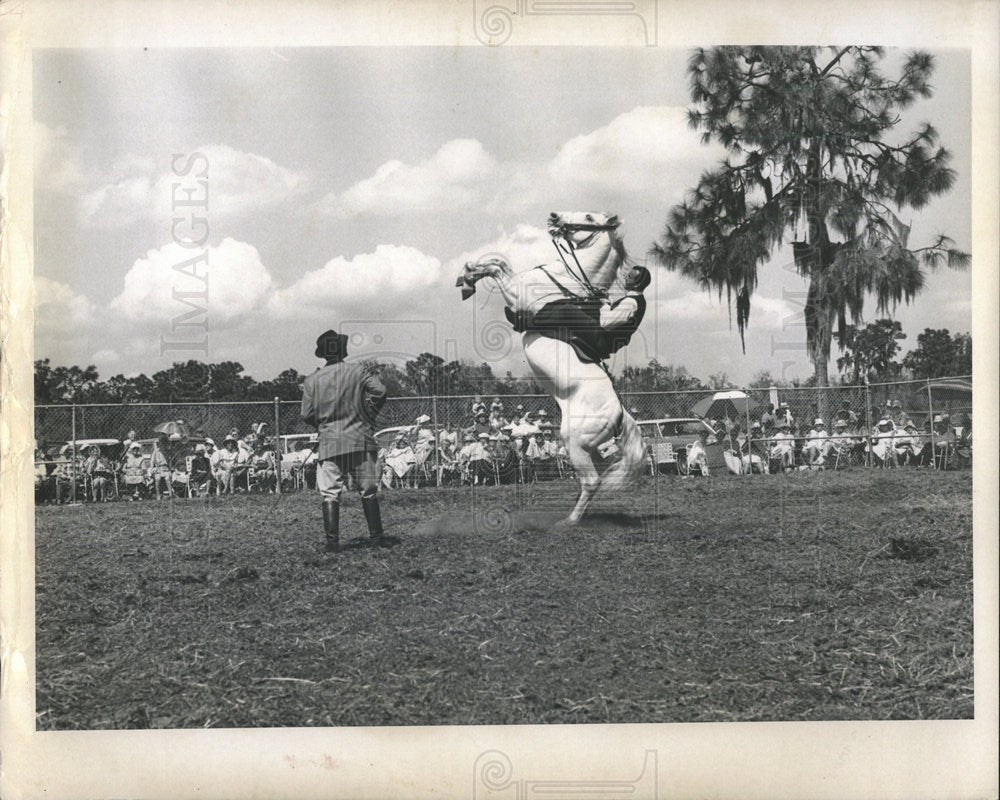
column 422, row 419
column 331, row 344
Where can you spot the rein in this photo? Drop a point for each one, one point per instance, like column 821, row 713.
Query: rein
column 561, row 233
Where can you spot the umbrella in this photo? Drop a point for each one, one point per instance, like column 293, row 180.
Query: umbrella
column 172, row 427
column 733, row 404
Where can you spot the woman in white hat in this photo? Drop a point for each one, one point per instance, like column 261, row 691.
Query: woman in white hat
column 782, row 447
column 399, row 462
column 817, row 445
column 842, row 444
column 422, row 438
column 883, row 443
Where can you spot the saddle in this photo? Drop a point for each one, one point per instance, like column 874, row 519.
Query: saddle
column 575, row 321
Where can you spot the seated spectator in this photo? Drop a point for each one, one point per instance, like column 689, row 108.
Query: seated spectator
column 447, row 465
column 200, row 471
column 697, row 456
column 518, row 416
column 908, row 443
column 817, row 445
column 785, row 415
column 506, row 459
column 67, row 473
column 768, row 419
column 100, row 473
column 130, row 437
column 845, row 414
column 963, row 441
column 883, row 444
column 753, row 450
column 478, row 406
column 942, row 441
column 224, row 462
column 44, row 484
column 897, row 415
column 159, row 469
column 474, row 459
column 546, row 455
column 496, row 418
column 399, row 462
column 422, row 438
column 134, row 472
column 782, row 453
column 177, row 452
column 480, row 424
column 843, row 446
column 263, row 466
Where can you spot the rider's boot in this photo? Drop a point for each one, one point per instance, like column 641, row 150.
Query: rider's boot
column 373, row 516
column 331, row 525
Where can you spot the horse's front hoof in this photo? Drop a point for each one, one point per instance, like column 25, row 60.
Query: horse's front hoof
column 566, row 524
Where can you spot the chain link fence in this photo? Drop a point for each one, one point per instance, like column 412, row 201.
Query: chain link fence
column 746, row 427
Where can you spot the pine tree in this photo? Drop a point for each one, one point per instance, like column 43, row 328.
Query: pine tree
column 809, row 134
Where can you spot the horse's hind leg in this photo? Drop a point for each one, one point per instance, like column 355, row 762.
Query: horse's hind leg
column 589, row 478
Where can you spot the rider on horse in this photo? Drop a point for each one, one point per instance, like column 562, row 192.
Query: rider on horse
column 594, row 326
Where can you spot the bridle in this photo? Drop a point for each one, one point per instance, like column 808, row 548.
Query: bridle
column 562, row 231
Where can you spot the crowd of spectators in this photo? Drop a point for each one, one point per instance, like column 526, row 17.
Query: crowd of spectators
column 778, row 442
column 495, row 447
column 165, row 465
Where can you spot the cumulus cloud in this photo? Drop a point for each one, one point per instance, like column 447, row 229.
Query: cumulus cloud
column 231, row 276
column 133, row 188
column 524, row 247
column 645, row 149
column 390, row 274
column 61, row 310
column 455, row 176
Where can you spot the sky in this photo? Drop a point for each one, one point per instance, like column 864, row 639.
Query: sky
column 347, row 186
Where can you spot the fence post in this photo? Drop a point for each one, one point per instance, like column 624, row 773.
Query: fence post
column 749, row 470
column 277, row 446
column 437, row 439
column 72, row 454
column 868, row 424
column 930, row 418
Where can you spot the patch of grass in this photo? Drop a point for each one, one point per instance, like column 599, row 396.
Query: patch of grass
column 809, row 596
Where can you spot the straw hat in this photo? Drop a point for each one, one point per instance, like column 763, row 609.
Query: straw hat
column 422, row 419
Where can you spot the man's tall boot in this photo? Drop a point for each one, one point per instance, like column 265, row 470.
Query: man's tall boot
column 373, row 516
column 331, row 525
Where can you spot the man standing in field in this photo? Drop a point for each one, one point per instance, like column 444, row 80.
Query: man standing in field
column 341, row 400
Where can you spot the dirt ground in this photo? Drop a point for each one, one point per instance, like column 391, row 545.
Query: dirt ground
column 809, row 596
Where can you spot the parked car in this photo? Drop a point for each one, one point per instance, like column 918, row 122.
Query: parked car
column 667, row 441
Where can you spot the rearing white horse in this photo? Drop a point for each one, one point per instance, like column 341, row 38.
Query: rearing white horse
column 593, row 419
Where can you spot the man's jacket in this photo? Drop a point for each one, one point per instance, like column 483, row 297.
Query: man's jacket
column 341, row 401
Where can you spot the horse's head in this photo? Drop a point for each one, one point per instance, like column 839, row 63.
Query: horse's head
column 593, row 240
column 581, row 228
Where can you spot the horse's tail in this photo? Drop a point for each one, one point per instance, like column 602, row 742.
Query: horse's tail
column 633, row 456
